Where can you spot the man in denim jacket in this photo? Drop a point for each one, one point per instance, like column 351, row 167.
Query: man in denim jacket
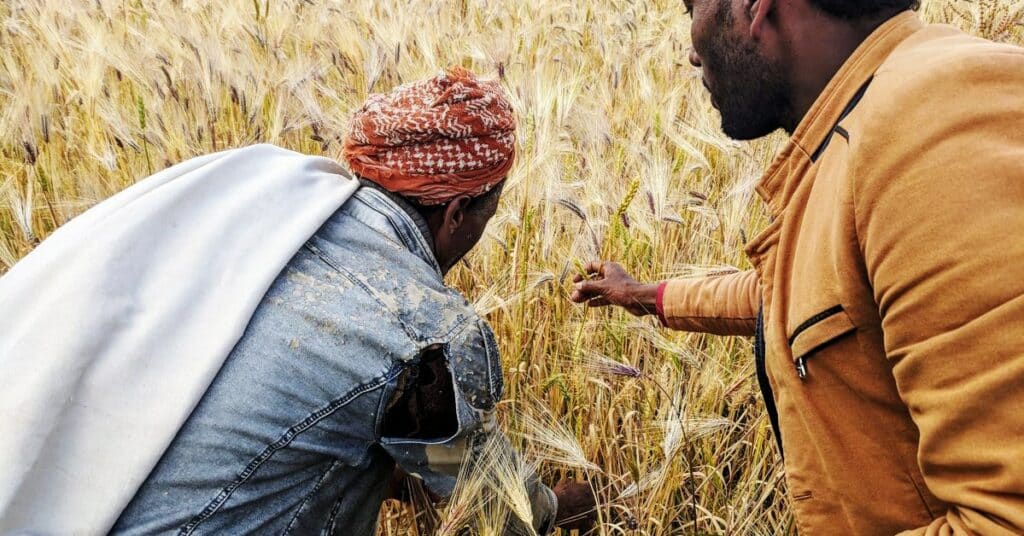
column 359, row 358
column 334, row 382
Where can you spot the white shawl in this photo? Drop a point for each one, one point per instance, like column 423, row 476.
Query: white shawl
column 114, row 327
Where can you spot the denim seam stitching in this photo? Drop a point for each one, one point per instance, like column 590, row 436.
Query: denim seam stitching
column 355, row 219
column 281, row 443
column 456, row 330
column 446, row 337
column 403, row 233
column 396, row 371
column 409, row 237
column 305, row 500
column 493, row 360
column 332, row 518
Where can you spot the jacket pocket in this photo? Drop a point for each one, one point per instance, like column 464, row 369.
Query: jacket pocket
column 817, row 332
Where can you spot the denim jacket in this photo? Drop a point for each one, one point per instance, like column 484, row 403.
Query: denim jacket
column 290, row 436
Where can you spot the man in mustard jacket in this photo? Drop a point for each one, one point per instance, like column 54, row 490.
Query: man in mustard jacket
column 887, row 293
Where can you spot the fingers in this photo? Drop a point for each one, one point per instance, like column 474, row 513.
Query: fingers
column 595, row 267
column 601, row 290
column 589, row 270
column 598, row 268
column 593, row 301
column 605, row 269
column 584, row 291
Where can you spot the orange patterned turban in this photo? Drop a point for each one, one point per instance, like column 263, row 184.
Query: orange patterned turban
column 435, row 139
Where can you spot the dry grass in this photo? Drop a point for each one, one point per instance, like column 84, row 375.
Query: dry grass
column 620, row 158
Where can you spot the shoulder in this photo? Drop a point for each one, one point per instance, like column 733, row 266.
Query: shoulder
column 433, row 315
column 399, row 284
column 939, row 132
column 940, row 76
column 399, row 299
column 942, row 98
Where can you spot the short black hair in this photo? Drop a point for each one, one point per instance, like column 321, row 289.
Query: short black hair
column 859, row 9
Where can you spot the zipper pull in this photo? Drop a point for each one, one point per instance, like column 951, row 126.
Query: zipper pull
column 801, row 368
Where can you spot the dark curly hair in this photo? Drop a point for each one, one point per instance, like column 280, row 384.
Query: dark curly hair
column 856, row 9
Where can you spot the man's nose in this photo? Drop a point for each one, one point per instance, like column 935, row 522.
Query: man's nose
column 694, row 58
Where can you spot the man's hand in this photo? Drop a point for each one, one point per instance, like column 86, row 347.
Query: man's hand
column 577, row 506
column 607, row 283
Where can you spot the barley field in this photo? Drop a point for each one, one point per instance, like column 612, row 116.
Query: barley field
column 620, row 158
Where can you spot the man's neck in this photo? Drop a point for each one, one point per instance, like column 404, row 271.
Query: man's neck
column 825, row 44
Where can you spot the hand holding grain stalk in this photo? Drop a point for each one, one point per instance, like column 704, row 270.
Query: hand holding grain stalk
column 607, row 283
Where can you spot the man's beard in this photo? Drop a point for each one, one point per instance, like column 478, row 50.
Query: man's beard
column 750, row 90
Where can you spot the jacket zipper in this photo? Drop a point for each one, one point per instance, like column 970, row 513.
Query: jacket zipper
column 762, row 379
column 801, row 362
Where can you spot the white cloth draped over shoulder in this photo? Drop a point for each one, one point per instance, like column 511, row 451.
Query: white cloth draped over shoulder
column 114, row 327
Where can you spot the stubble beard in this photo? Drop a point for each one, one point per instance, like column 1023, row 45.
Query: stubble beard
column 750, row 90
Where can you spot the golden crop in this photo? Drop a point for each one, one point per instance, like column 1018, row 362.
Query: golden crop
column 620, row 158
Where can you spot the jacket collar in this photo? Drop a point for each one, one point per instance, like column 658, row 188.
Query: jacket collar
column 404, row 221
column 417, row 219
column 779, row 181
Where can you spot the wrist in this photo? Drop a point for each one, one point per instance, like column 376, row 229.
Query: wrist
column 645, row 297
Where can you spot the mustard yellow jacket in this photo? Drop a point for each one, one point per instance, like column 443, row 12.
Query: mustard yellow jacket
column 892, row 285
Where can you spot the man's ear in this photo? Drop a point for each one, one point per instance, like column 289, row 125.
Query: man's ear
column 759, row 10
column 455, row 213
